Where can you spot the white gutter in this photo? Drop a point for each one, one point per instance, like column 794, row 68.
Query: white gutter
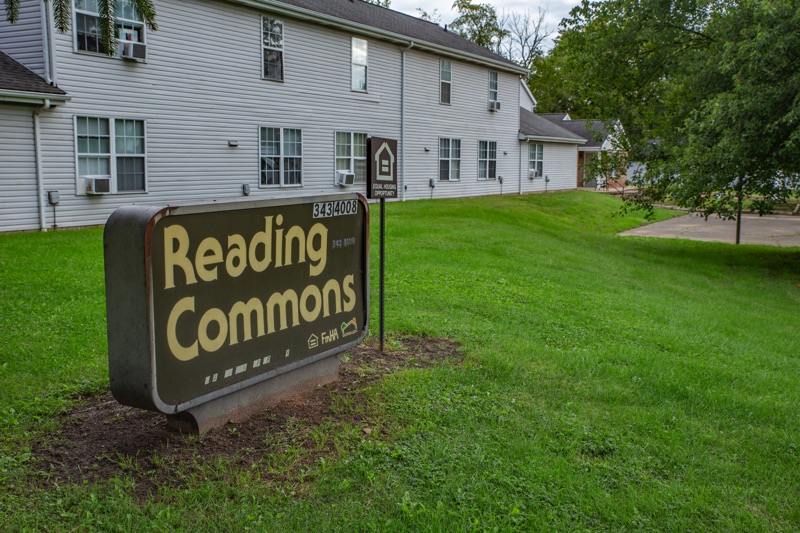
column 403, row 120
column 26, row 97
column 371, row 31
column 553, row 139
column 37, row 146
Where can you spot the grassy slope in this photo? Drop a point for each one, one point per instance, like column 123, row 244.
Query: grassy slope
column 612, row 382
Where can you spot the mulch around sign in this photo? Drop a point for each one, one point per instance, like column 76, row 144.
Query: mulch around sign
column 101, row 439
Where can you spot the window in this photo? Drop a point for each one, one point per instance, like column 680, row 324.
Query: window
column 487, row 160
column 535, row 160
column 281, row 157
column 114, row 148
column 449, row 159
column 351, row 154
column 445, row 79
column 359, row 59
column 492, row 86
column 272, row 44
column 129, row 29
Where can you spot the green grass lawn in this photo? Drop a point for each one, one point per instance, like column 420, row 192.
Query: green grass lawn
column 610, row 383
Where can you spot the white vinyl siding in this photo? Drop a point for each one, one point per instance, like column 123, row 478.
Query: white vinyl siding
column 272, row 43
column 559, row 164
column 23, row 40
column 19, row 206
column 487, row 160
column 113, row 148
column 351, row 154
column 281, row 157
column 445, row 81
column 449, row 159
column 359, row 65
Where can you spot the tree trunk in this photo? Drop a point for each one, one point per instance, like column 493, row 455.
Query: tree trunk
column 739, row 211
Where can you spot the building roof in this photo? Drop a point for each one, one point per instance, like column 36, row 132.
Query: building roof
column 594, row 131
column 20, row 85
column 389, row 24
column 554, row 117
column 535, row 127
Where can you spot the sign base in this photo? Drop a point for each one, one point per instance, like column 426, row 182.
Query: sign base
column 246, row 402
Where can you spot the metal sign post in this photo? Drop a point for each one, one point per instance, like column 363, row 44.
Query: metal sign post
column 382, row 184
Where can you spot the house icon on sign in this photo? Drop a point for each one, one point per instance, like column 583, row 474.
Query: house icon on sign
column 313, row 341
column 384, row 162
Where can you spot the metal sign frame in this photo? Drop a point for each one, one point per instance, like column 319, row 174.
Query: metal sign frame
column 131, row 297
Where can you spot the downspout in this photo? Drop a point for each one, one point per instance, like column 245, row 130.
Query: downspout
column 48, row 45
column 38, row 155
column 522, row 145
column 403, row 120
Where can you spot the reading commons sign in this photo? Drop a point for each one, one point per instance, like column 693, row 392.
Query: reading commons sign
column 204, row 300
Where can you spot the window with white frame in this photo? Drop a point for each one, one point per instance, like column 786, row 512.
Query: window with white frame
column 445, row 81
column 129, row 29
column 272, row 48
column 449, row 159
column 487, row 160
column 351, row 154
column 535, row 160
column 112, row 148
column 359, row 60
column 493, row 91
column 281, row 157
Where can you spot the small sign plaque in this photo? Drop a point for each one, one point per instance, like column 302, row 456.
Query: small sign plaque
column 382, row 168
column 204, row 300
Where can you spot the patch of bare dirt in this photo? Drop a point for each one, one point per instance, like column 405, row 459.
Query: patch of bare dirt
column 101, row 439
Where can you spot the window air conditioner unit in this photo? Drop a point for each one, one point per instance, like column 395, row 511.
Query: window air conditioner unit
column 128, row 50
column 532, row 174
column 98, row 184
column 494, row 105
column 345, row 178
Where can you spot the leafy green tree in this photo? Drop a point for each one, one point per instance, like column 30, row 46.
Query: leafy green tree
column 478, row 23
column 708, row 92
column 62, row 13
column 382, row 3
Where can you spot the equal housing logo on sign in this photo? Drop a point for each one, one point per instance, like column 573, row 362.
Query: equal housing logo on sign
column 382, row 169
column 204, row 300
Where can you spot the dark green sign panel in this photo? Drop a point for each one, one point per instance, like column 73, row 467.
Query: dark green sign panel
column 233, row 294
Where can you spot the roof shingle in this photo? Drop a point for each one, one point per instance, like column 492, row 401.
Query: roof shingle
column 356, row 11
column 532, row 125
column 16, row 77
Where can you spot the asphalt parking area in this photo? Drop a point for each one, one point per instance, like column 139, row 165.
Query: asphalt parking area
column 771, row 230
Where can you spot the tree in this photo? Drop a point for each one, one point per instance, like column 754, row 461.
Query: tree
column 432, row 16
column 478, row 23
column 382, row 3
column 525, row 34
column 708, row 92
column 107, row 11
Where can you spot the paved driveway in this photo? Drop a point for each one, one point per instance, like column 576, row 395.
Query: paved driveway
column 772, row 230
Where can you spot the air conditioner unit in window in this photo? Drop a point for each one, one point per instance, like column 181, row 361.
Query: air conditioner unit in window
column 128, row 50
column 98, row 184
column 345, row 178
column 494, row 105
column 532, row 174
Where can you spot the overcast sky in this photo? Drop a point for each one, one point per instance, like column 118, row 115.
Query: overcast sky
column 556, row 9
